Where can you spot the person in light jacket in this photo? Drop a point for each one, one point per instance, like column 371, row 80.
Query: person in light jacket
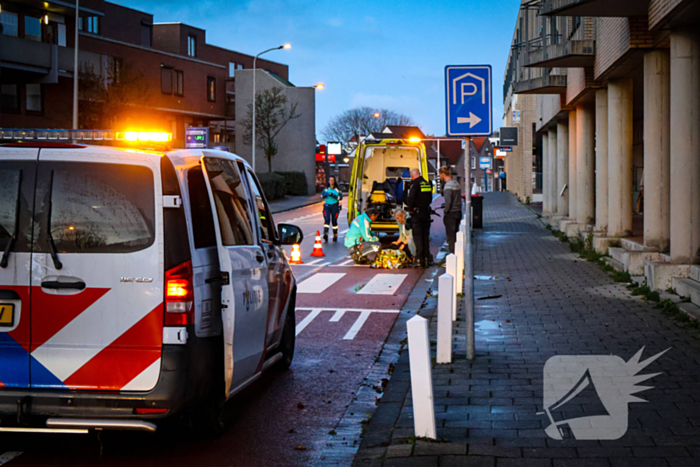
column 405, row 241
column 452, row 216
column 331, row 208
column 363, row 246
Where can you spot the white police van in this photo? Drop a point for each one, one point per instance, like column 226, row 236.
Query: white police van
column 134, row 284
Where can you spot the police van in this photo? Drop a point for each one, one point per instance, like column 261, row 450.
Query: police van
column 135, row 284
column 381, row 175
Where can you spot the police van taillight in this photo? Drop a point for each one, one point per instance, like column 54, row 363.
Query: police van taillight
column 179, row 295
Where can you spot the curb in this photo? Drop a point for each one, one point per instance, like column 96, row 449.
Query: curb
column 350, row 435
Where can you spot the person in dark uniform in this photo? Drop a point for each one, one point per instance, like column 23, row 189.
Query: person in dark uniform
column 420, row 196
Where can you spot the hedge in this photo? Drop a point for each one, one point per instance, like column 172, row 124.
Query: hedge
column 273, row 185
column 295, row 183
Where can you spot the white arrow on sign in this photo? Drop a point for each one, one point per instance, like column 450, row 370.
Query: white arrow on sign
column 472, row 120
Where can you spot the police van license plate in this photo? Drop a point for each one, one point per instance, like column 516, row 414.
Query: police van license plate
column 7, row 315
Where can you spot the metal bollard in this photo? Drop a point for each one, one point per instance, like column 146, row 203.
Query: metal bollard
column 451, row 269
column 421, row 377
column 444, row 325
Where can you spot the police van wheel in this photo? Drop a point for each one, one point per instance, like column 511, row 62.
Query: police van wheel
column 287, row 343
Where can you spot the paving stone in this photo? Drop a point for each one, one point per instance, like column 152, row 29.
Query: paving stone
column 425, row 448
column 423, row 461
column 399, row 450
column 467, row 461
column 495, row 451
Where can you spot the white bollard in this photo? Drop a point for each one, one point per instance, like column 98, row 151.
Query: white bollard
column 444, row 325
column 459, row 251
column 451, row 269
column 421, row 377
column 463, row 225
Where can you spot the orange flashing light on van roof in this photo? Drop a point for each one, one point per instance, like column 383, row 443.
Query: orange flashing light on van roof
column 141, row 136
column 414, row 139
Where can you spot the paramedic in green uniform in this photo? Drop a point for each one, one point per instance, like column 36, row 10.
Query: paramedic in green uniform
column 331, row 208
column 363, row 246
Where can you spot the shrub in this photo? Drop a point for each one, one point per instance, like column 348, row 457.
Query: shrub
column 273, row 185
column 295, row 183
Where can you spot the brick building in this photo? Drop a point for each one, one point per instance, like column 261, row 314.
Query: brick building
column 616, row 126
column 188, row 82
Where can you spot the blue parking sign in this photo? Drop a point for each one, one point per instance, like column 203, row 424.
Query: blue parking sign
column 468, row 98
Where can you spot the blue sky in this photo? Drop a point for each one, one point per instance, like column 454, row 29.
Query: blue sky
column 388, row 54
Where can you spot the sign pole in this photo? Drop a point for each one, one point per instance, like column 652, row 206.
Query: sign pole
column 468, row 261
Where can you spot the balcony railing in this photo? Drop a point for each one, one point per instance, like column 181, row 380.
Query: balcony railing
column 563, row 43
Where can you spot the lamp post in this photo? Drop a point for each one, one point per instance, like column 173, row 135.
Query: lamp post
column 255, row 60
column 75, row 66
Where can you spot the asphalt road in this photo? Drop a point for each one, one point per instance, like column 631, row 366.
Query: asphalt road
column 344, row 314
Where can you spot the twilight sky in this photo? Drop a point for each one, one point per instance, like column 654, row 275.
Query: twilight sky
column 388, row 54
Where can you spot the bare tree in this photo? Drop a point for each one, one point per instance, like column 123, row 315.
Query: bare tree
column 271, row 115
column 105, row 100
column 361, row 121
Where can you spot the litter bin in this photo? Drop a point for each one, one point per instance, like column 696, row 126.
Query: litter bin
column 477, row 212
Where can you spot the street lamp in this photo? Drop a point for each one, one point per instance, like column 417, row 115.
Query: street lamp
column 285, row 46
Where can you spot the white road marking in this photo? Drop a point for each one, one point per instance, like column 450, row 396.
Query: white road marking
column 307, row 320
column 383, row 284
column 336, row 316
column 8, row 456
column 345, row 263
column 319, row 282
column 359, row 322
column 311, row 263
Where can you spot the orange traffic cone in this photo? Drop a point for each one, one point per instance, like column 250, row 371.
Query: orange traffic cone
column 318, row 249
column 296, row 255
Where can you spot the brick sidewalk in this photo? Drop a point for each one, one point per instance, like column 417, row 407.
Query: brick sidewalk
column 552, row 303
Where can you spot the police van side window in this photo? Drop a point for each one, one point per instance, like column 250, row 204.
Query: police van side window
column 200, row 209
column 267, row 228
column 99, row 208
column 230, row 199
column 9, row 192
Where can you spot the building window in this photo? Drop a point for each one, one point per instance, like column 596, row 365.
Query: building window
column 166, row 80
column 93, row 24
column 192, row 46
column 239, row 67
column 9, row 98
column 231, row 69
column 179, row 83
column 32, row 28
column 211, row 89
column 34, row 98
column 10, row 23
column 61, row 35
column 146, row 35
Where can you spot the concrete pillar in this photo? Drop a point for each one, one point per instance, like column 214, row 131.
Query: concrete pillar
column 572, row 165
column 685, row 146
column 562, row 167
column 620, row 157
column 546, row 203
column 552, row 154
column 601, row 160
column 657, row 148
column 585, row 164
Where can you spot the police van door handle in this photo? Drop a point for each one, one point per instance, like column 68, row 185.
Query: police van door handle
column 79, row 285
column 259, row 256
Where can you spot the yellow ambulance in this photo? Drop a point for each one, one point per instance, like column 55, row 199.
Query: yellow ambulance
column 381, row 176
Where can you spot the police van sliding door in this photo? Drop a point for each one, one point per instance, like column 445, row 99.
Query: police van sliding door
column 244, row 290
column 17, row 181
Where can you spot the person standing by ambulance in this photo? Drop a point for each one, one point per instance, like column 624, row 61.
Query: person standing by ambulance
column 331, row 208
column 420, row 196
column 452, row 193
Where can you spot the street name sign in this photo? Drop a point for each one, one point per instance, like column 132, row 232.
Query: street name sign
column 468, row 100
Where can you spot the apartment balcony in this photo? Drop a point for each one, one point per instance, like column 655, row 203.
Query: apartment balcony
column 609, row 8
column 569, row 54
column 545, row 84
column 43, row 60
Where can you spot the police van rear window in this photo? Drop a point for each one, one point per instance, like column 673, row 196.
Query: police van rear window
column 99, row 208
